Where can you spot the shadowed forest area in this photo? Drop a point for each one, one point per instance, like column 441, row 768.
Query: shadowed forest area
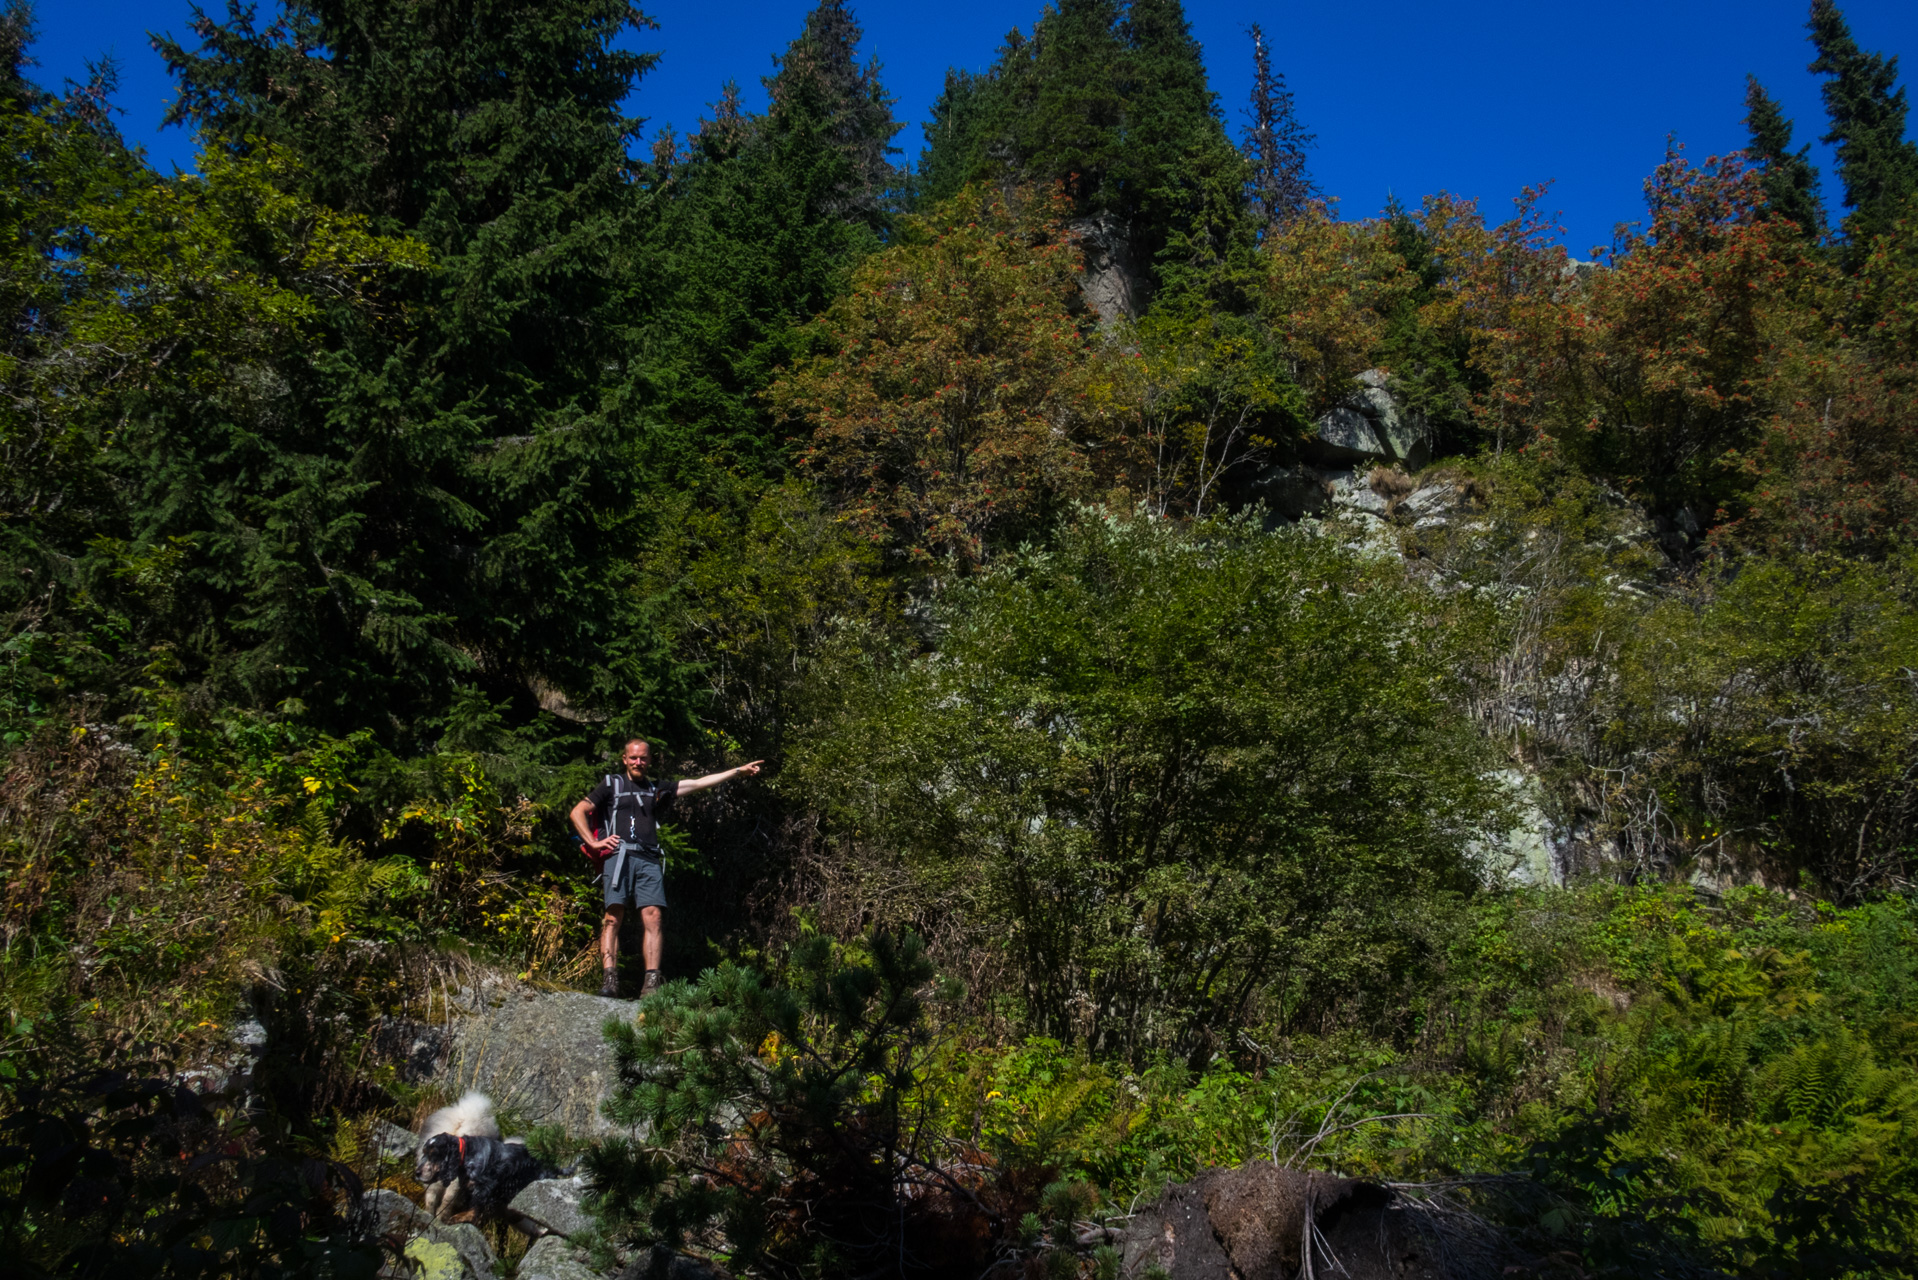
column 1377, row 694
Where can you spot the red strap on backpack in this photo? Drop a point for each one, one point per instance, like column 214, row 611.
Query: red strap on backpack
column 597, row 833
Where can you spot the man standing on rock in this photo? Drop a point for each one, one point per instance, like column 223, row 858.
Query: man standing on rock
column 628, row 808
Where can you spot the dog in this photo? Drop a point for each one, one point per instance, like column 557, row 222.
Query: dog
column 470, row 1173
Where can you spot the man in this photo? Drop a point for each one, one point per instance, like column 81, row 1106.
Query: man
column 629, row 809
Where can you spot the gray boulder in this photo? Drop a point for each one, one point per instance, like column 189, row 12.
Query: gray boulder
column 552, row 1258
column 393, row 1214
column 540, row 1055
column 1528, row 853
column 434, row 1250
column 476, row 1256
column 554, row 1204
column 1433, row 501
column 1370, row 426
column 1357, row 496
column 1254, row 1223
column 1631, row 525
column 1291, row 493
column 393, row 1142
column 663, row 1264
column 417, row 1050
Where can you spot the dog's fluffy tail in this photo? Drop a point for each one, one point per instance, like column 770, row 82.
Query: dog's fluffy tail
column 470, row 1117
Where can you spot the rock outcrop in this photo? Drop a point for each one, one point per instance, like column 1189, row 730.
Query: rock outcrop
column 434, row 1250
column 1528, row 854
column 540, row 1055
column 1371, row 426
column 555, row 1206
column 1111, row 284
column 1258, row 1221
column 1290, row 494
column 552, row 1258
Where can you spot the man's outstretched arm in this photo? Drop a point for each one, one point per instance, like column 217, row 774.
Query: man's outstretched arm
column 687, row 785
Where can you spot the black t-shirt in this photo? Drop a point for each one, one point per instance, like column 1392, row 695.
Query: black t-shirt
column 636, row 812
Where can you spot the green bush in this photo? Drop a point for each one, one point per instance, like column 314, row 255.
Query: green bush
column 1196, row 779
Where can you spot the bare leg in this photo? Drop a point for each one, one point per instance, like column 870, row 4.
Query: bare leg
column 609, row 937
column 655, row 936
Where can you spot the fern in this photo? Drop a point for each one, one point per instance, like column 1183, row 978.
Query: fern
column 1834, row 1079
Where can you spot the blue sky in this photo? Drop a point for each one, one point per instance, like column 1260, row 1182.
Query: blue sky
column 1406, row 98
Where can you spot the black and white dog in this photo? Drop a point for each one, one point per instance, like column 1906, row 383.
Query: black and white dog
column 469, row 1172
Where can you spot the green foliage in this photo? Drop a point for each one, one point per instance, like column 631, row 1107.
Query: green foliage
column 1788, row 687
column 1110, row 100
column 1184, row 772
column 779, row 1108
column 759, row 590
column 450, row 500
column 1206, row 395
column 749, row 233
column 1743, row 1096
column 157, row 304
column 1790, row 180
column 114, row 1176
column 1876, row 162
column 947, row 401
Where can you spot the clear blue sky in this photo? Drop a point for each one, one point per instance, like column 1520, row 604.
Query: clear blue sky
column 1408, row 98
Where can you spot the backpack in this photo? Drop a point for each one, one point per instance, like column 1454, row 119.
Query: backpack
column 617, row 781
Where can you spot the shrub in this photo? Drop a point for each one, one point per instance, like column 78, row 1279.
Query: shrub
column 1197, row 779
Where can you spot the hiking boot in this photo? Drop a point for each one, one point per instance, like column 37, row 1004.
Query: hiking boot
column 651, row 984
column 609, row 983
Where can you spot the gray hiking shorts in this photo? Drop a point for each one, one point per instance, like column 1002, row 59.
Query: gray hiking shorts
column 632, row 879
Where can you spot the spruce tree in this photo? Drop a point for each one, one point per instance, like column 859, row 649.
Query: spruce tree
column 1068, row 113
column 1109, row 101
column 750, row 236
column 1275, row 143
column 1790, row 179
column 956, row 133
column 442, row 495
column 1866, row 107
column 823, row 93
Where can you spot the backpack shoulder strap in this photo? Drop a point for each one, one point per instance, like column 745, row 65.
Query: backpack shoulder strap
column 618, row 783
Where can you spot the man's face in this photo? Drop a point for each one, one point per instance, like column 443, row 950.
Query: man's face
column 638, row 756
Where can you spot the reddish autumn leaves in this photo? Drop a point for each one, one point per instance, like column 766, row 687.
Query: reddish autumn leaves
column 951, row 405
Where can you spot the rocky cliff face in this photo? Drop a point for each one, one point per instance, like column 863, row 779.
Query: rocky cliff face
column 1112, row 285
column 1371, row 426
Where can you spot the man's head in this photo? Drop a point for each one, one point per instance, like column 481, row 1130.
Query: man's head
column 637, row 757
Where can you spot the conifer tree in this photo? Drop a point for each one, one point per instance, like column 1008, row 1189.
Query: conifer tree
column 1275, row 143
column 1790, row 179
column 1170, row 109
column 447, row 497
column 821, row 90
column 1108, row 100
column 16, row 33
column 752, row 236
column 1866, row 107
column 1068, row 114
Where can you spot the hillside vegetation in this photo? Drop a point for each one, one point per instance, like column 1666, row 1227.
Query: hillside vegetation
column 1520, row 809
